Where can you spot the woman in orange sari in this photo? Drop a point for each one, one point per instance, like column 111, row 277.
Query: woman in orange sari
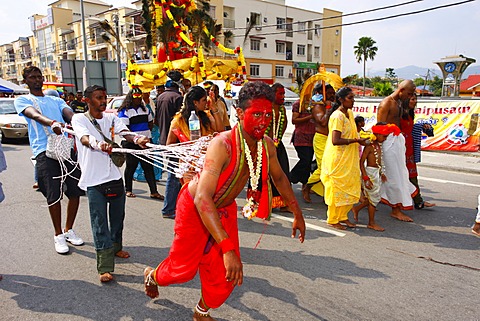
column 210, row 120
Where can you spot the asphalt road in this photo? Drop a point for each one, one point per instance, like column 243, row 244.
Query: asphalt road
column 426, row 270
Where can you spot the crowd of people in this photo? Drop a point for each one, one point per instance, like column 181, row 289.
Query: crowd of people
column 351, row 171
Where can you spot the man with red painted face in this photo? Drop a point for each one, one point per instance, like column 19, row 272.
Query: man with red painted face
column 206, row 232
column 275, row 131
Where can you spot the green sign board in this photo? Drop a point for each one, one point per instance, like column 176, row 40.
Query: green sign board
column 305, row 65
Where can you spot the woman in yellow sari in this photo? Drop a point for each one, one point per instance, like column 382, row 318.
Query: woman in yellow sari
column 340, row 164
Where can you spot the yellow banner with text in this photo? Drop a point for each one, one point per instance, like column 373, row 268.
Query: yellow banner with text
column 456, row 124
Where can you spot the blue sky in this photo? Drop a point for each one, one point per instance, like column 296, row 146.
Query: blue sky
column 411, row 40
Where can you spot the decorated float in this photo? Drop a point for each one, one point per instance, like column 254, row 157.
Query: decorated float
column 182, row 36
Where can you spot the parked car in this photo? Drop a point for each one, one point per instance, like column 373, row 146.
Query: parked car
column 114, row 103
column 12, row 126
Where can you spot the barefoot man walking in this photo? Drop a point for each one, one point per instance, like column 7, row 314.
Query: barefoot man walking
column 397, row 191
column 206, row 232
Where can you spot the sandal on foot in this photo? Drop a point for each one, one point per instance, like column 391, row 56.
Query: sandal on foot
column 106, row 277
column 157, row 196
column 151, row 287
column 130, row 194
column 122, row 254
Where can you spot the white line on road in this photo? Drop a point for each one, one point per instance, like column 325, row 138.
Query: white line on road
column 446, row 182
column 311, row 226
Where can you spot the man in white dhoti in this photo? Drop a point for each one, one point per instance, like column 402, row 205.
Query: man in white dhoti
column 476, row 226
column 397, row 191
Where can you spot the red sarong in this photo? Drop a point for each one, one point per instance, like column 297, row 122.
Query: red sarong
column 193, row 250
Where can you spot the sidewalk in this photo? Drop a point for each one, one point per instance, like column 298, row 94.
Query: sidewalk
column 452, row 161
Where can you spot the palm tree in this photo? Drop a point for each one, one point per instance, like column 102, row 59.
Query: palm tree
column 365, row 49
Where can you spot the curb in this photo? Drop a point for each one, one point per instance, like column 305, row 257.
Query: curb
column 450, row 168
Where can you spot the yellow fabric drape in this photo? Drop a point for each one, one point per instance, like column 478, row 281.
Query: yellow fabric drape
column 319, row 143
column 337, row 214
column 340, row 165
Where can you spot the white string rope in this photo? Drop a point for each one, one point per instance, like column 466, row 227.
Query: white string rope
column 62, row 160
column 176, row 159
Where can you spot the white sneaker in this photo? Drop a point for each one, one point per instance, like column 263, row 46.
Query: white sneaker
column 60, row 244
column 71, row 237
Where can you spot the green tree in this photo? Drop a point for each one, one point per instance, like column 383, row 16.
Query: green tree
column 382, row 89
column 391, row 76
column 364, row 50
column 436, row 85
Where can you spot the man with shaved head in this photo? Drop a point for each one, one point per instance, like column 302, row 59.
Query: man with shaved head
column 397, row 191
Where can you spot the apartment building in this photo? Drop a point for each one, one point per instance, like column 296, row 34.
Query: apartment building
column 280, row 42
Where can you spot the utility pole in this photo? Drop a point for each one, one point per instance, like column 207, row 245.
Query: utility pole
column 425, row 82
column 119, row 66
column 85, row 44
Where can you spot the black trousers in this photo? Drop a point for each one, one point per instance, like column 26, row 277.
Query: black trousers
column 301, row 171
column 283, row 160
column 131, row 165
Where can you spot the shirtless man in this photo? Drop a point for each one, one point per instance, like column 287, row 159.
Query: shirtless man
column 397, row 190
column 206, row 232
column 321, row 113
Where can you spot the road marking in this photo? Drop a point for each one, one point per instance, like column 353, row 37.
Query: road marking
column 446, row 182
column 311, row 226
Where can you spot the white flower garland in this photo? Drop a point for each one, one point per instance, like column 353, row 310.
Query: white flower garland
column 276, row 127
column 250, row 209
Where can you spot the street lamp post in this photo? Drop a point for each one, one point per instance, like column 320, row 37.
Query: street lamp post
column 85, row 55
column 119, row 66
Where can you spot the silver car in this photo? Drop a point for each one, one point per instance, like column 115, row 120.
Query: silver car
column 12, row 126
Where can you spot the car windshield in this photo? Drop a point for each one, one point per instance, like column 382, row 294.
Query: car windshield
column 117, row 103
column 7, row 107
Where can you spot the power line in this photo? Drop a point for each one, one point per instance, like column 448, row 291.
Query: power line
column 363, row 21
column 334, row 17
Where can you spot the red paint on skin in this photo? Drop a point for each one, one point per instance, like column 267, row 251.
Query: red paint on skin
column 208, row 163
column 293, row 202
column 228, row 146
column 280, row 96
column 257, row 117
column 204, row 206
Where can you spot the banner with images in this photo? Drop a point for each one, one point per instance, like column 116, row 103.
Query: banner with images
column 456, row 123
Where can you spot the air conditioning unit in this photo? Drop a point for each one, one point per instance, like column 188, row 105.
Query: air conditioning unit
column 258, row 28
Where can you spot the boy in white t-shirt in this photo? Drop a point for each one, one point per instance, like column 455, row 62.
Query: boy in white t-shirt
column 101, row 178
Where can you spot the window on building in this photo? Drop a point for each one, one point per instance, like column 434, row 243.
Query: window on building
column 280, row 47
column 301, row 26
column 316, row 52
column 281, row 23
column 317, row 30
column 211, row 12
column 255, row 18
column 279, row 71
column 254, row 45
column 336, row 52
column 301, row 50
column 254, row 70
column 299, row 73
